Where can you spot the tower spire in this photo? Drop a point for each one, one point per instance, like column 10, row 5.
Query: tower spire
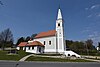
column 59, row 13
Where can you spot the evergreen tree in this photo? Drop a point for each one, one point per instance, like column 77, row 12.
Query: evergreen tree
column 22, row 39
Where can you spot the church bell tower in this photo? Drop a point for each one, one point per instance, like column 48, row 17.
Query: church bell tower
column 60, row 33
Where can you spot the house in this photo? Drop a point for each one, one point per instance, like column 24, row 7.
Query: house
column 51, row 41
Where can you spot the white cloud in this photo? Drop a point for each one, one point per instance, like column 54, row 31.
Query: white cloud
column 85, row 31
column 86, row 8
column 95, row 6
column 95, row 36
column 94, row 11
column 94, row 15
column 91, row 35
column 89, row 16
column 98, row 15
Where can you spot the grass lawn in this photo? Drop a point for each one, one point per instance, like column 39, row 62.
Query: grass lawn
column 5, row 56
column 48, row 59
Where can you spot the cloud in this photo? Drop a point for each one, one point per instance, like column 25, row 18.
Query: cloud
column 98, row 15
column 95, row 36
column 94, row 15
column 93, row 11
column 87, row 29
column 86, row 8
column 95, row 6
column 89, row 15
column 92, row 34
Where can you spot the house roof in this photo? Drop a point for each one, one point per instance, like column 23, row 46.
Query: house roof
column 35, row 43
column 46, row 34
column 22, row 44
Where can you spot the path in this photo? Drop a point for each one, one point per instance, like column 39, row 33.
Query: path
column 93, row 60
column 24, row 58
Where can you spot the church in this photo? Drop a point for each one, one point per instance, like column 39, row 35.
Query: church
column 51, row 41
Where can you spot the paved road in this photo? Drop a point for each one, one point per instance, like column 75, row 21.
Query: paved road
column 47, row 64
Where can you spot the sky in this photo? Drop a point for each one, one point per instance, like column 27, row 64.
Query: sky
column 27, row 17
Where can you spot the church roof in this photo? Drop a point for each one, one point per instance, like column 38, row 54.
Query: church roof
column 46, row 34
column 22, row 44
column 59, row 14
column 35, row 43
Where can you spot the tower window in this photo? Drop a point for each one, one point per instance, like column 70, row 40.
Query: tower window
column 58, row 24
column 49, row 42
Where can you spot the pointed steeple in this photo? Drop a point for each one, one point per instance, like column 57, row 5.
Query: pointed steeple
column 59, row 14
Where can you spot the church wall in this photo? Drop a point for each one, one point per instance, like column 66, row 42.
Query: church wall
column 48, row 47
column 31, row 50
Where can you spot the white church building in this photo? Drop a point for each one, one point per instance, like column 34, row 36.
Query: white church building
column 51, row 41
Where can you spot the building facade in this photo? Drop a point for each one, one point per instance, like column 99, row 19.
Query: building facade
column 48, row 42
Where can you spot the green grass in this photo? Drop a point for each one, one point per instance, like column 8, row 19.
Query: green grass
column 48, row 59
column 5, row 56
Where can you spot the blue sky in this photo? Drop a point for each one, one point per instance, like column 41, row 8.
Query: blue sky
column 25, row 17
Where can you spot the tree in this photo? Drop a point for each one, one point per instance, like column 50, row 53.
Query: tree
column 68, row 43
column 22, row 39
column 33, row 36
column 27, row 38
column 77, row 46
column 6, row 38
column 89, row 44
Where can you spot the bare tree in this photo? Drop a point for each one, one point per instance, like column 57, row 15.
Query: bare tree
column 6, row 38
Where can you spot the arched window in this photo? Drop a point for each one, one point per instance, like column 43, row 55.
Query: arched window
column 58, row 24
column 44, row 42
column 49, row 42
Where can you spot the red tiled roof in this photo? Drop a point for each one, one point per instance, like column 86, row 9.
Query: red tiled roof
column 35, row 43
column 46, row 34
column 22, row 44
